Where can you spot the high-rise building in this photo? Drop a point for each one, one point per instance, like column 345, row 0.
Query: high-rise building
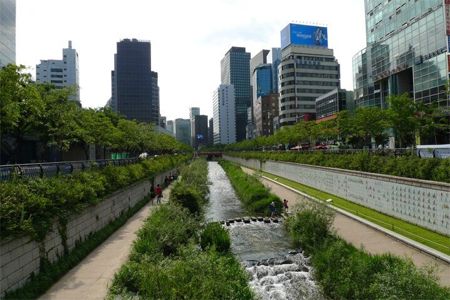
column 265, row 110
column 235, row 70
column 193, row 111
column 7, row 32
column 200, row 131
column 135, row 92
column 183, row 130
column 163, row 122
column 169, row 126
column 224, row 130
column 61, row 73
column 308, row 69
column 276, row 60
column 407, row 52
column 211, row 132
column 329, row 104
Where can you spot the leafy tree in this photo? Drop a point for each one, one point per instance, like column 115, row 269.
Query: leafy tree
column 370, row 122
column 403, row 117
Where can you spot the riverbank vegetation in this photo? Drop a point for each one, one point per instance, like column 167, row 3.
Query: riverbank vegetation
column 167, row 261
column 345, row 272
column 253, row 194
column 405, row 166
column 31, row 207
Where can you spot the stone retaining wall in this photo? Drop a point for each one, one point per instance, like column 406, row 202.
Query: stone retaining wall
column 421, row 202
column 19, row 258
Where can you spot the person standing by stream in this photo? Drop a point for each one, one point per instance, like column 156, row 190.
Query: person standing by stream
column 158, row 192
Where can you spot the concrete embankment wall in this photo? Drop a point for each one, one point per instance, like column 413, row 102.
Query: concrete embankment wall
column 19, row 257
column 421, row 202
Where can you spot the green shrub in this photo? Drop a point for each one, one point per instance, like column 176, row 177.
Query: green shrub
column 309, row 227
column 186, row 196
column 214, row 235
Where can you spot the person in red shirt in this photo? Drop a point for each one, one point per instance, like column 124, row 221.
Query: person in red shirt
column 158, row 192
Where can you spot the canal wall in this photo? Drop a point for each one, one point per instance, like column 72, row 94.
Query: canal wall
column 19, row 258
column 421, row 202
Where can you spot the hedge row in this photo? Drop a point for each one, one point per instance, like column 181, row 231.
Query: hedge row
column 30, row 207
column 345, row 272
column 166, row 260
column 253, row 194
column 404, row 166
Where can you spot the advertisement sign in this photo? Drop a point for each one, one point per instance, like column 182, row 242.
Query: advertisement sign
column 304, row 35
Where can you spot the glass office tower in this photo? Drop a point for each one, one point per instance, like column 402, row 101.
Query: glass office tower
column 7, row 32
column 235, row 70
column 407, row 52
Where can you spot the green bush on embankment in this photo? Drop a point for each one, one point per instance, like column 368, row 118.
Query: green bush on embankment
column 345, row 272
column 404, row 166
column 30, row 207
column 254, row 195
column 167, row 262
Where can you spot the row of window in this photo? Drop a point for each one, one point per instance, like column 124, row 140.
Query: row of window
column 306, row 91
column 306, row 82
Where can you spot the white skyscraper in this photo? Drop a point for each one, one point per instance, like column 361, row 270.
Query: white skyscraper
column 61, row 73
column 224, row 112
column 193, row 111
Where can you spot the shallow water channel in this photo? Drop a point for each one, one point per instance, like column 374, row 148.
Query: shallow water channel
column 277, row 270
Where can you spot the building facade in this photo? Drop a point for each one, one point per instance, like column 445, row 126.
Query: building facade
column 135, row 92
column 200, row 131
column 329, row 104
column 224, row 115
column 265, row 109
column 407, row 52
column 193, row 111
column 7, row 32
column 211, row 132
column 308, row 69
column 183, row 130
column 169, row 126
column 235, row 70
column 61, row 73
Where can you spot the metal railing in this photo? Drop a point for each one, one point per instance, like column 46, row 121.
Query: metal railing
column 40, row 170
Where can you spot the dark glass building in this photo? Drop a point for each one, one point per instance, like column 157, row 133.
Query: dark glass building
column 7, row 32
column 135, row 86
column 200, row 131
column 235, row 70
column 329, row 104
column 407, row 52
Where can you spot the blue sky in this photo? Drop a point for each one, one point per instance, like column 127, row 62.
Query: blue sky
column 189, row 38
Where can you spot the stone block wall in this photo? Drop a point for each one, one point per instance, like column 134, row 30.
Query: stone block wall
column 421, row 202
column 19, row 257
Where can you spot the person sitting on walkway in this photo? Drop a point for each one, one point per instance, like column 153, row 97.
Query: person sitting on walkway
column 158, row 192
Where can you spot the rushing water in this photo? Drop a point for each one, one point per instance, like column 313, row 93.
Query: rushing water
column 277, row 271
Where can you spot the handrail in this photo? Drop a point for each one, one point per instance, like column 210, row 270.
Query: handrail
column 49, row 169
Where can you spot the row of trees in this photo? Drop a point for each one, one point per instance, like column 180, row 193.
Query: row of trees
column 404, row 118
column 44, row 113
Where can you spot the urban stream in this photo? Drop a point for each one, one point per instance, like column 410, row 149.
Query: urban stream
column 277, row 270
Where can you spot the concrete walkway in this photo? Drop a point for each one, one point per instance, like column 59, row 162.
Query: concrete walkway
column 360, row 235
column 91, row 277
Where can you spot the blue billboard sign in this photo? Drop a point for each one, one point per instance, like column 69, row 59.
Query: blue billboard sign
column 304, row 35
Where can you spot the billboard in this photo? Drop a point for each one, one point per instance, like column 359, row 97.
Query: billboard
column 304, row 35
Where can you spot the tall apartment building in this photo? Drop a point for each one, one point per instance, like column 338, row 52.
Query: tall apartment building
column 193, row 111
column 7, row 32
column 308, row 69
column 406, row 52
column 135, row 92
column 182, row 129
column 224, row 115
column 61, row 73
column 235, row 70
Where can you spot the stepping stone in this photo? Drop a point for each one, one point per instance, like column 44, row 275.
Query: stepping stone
column 266, row 220
column 238, row 220
column 254, row 219
column 246, row 220
column 275, row 220
column 231, row 221
column 227, row 223
column 260, row 219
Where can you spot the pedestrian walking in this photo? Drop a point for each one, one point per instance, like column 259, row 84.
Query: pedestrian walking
column 285, row 205
column 158, row 192
column 272, row 209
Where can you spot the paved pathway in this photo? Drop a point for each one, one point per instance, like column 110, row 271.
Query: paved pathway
column 90, row 278
column 360, row 235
